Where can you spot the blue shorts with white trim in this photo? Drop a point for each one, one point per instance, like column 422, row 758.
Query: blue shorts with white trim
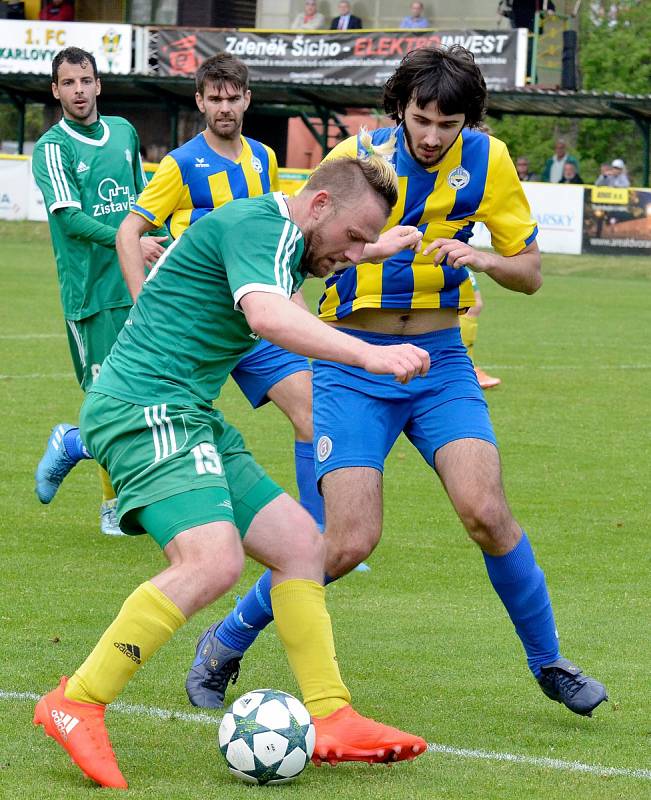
column 358, row 416
column 263, row 367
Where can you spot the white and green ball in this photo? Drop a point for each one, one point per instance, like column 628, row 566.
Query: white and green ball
column 267, row 736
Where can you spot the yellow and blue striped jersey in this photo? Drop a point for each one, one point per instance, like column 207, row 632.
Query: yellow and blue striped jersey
column 475, row 182
column 193, row 180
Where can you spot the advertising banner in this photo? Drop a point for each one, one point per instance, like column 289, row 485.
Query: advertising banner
column 14, row 187
column 617, row 220
column 339, row 58
column 558, row 210
column 36, row 210
column 30, row 45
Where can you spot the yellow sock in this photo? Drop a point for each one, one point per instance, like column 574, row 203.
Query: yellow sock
column 108, row 492
column 304, row 627
column 469, row 333
column 147, row 619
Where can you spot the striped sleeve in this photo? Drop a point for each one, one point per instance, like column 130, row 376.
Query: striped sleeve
column 261, row 261
column 162, row 195
column 55, row 177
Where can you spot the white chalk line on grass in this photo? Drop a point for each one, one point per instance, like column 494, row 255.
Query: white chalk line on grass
column 484, row 755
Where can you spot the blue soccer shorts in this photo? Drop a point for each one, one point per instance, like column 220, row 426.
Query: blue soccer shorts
column 264, row 367
column 358, row 416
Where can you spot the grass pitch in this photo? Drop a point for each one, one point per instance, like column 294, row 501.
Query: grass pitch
column 423, row 641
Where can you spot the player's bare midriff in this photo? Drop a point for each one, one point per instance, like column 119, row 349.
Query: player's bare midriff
column 400, row 321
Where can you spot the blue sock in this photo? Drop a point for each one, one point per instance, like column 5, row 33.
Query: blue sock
column 75, row 448
column 251, row 615
column 520, row 583
column 308, row 493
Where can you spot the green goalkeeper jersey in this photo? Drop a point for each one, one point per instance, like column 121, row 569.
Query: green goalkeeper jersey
column 186, row 332
column 97, row 170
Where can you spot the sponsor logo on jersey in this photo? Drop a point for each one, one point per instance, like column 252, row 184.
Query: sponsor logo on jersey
column 81, row 167
column 256, row 164
column 458, row 178
column 127, row 156
column 323, row 448
column 116, row 198
column 200, row 162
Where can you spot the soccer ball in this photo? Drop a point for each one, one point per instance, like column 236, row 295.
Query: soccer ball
column 267, row 736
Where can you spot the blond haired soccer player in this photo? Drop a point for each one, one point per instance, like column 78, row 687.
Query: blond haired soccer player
column 89, row 170
column 451, row 175
column 183, row 474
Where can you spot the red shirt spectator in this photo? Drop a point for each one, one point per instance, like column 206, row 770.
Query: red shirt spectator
column 58, row 11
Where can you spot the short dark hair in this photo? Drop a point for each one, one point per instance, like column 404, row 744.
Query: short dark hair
column 450, row 77
column 220, row 69
column 73, row 55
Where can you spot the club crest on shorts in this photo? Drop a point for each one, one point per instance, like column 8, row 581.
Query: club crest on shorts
column 323, row 448
column 458, row 178
column 256, row 164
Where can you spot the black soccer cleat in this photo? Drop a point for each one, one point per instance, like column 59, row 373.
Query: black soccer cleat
column 213, row 667
column 564, row 682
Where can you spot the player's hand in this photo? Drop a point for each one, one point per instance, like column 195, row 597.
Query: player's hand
column 459, row 254
column 151, row 249
column 400, row 237
column 404, row 361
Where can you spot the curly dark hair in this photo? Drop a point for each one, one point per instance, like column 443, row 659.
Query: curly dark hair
column 73, row 55
column 448, row 77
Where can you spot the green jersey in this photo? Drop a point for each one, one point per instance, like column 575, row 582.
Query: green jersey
column 97, row 170
column 187, row 331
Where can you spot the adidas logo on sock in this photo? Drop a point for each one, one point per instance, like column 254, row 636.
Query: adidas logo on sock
column 131, row 651
column 64, row 723
column 81, row 167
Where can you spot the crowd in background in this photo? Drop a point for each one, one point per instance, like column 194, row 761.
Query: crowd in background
column 563, row 167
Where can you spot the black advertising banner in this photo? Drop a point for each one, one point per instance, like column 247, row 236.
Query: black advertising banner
column 339, row 58
column 617, row 220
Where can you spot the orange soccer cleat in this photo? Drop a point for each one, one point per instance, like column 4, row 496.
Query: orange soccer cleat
column 486, row 381
column 79, row 728
column 347, row 736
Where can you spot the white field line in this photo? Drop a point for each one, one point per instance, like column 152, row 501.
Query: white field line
column 32, row 336
column 484, row 755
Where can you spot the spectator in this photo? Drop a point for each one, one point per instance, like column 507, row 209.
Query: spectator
column 553, row 169
column 522, row 167
column 570, row 174
column 58, row 11
column 604, row 175
column 310, row 19
column 618, row 176
column 415, row 19
column 345, row 21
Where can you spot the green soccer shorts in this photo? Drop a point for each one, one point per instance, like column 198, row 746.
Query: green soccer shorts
column 174, row 467
column 90, row 340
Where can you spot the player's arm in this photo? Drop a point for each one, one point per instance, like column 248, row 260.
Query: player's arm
column 516, row 264
column 275, row 318
column 129, row 240
column 55, row 175
column 520, row 272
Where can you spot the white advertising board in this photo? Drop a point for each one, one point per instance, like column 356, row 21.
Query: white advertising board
column 14, row 187
column 30, row 45
column 558, row 210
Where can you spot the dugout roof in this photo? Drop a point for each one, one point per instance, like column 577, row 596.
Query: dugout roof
column 305, row 99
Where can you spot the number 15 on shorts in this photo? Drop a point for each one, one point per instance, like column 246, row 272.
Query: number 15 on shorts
column 207, row 460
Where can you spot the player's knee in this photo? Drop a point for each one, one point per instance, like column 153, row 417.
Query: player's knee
column 487, row 521
column 343, row 555
column 301, row 419
column 212, row 577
